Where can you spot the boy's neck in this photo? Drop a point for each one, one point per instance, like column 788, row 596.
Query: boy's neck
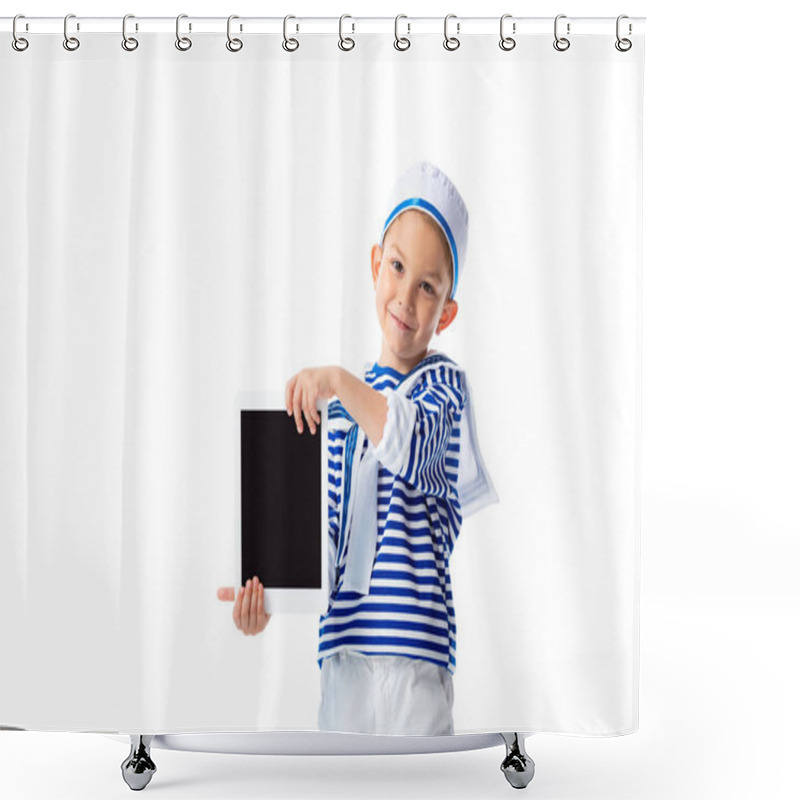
column 399, row 365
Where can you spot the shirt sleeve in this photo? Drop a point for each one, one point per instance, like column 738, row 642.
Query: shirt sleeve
column 339, row 423
column 418, row 431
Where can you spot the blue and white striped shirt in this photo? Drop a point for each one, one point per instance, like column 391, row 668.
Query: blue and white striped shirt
column 409, row 608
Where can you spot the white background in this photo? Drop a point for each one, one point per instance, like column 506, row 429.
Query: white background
column 721, row 436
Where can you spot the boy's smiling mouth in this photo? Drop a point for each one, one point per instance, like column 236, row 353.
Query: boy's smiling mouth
column 400, row 324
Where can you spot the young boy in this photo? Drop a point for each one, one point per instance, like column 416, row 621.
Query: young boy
column 404, row 468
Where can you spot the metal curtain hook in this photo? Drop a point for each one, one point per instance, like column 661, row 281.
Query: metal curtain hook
column 561, row 43
column 401, row 43
column 451, row 42
column 346, row 43
column 290, row 45
column 128, row 42
column 18, row 43
column 506, row 42
column 623, row 45
column 70, row 42
column 181, row 42
column 234, row 45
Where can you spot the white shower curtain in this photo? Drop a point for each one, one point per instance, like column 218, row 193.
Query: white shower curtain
column 181, row 227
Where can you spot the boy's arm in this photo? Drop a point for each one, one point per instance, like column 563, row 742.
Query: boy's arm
column 368, row 407
column 416, row 440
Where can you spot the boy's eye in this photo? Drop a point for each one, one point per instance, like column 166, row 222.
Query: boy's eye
column 397, row 264
column 427, row 287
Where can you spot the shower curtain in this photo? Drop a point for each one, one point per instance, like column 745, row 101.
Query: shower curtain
column 181, row 226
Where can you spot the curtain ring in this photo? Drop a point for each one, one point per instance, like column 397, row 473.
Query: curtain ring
column 128, row 42
column 623, row 45
column 290, row 45
column 234, row 45
column 346, row 43
column 561, row 43
column 401, row 43
column 451, row 42
column 70, row 42
column 181, row 42
column 506, row 42
column 18, row 43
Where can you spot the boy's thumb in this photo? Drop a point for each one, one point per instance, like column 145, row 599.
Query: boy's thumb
column 226, row 593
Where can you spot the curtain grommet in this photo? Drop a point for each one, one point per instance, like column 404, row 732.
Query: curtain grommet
column 183, row 43
column 19, row 43
column 401, row 43
column 561, row 43
column 234, row 45
column 345, row 42
column 289, row 44
column 129, row 43
column 70, row 43
column 623, row 45
column 451, row 42
column 507, row 42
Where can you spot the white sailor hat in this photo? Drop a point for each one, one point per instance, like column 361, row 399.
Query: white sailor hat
column 425, row 187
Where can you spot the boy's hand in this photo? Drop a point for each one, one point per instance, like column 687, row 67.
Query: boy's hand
column 248, row 610
column 303, row 390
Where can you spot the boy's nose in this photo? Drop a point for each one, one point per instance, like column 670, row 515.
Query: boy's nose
column 404, row 298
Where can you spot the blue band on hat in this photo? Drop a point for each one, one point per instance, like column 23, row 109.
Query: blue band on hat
column 434, row 212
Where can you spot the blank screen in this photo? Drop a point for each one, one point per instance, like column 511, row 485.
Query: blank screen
column 281, row 502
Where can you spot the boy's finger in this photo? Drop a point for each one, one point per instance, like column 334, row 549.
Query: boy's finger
column 237, row 608
column 226, row 594
column 288, row 395
column 246, row 609
column 309, row 418
column 254, row 609
column 248, row 594
column 298, row 411
column 258, row 607
column 263, row 617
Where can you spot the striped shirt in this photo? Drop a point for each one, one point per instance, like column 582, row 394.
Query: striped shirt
column 409, row 608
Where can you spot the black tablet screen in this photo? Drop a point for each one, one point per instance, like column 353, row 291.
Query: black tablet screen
column 281, row 501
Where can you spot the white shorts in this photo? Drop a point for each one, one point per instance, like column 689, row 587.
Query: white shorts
column 385, row 694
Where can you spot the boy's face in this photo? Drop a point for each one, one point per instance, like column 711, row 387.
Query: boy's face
column 411, row 273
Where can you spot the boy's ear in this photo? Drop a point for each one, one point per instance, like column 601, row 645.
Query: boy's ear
column 449, row 313
column 375, row 257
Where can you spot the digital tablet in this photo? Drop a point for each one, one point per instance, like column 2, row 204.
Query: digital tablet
column 283, row 503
